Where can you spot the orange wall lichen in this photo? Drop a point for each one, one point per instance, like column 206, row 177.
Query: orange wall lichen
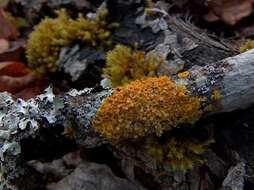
column 144, row 107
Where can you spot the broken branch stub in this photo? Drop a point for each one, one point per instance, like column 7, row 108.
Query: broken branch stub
column 231, row 78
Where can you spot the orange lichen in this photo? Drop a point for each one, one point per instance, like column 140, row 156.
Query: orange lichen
column 144, row 107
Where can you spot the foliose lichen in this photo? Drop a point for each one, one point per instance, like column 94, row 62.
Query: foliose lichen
column 124, row 65
column 21, row 120
column 82, row 115
column 47, row 39
column 144, row 107
column 18, row 120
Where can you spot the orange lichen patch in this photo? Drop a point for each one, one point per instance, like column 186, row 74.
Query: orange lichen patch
column 183, row 75
column 144, row 107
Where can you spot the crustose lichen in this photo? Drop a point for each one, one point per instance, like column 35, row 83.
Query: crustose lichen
column 144, row 107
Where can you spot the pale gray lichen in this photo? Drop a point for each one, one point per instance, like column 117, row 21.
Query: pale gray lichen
column 75, row 92
column 21, row 119
column 21, row 115
column 157, row 24
column 82, row 115
column 106, row 83
column 235, row 177
column 171, row 48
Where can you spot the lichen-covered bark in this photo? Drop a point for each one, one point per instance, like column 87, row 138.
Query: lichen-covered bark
column 232, row 78
column 23, row 119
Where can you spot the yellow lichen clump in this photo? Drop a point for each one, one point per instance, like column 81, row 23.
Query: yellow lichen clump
column 144, row 107
column 124, row 65
column 183, row 75
column 216, row 95
column 47, row 39
column 249, row 44
column 178, row 153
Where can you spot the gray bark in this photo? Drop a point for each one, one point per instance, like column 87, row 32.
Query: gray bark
column 232, row 77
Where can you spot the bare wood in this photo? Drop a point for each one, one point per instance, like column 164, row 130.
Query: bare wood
column 232, row 77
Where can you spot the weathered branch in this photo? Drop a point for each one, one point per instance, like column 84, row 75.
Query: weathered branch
column 20, row 120
column 231, row 77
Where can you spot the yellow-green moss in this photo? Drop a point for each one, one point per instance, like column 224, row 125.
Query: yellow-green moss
column 124, row 65
column 178, row 153
column 249, row 44
column 144, row 107
column 47, row 39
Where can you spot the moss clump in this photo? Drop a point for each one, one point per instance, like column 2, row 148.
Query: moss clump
column 47, row 39
column 178, row 153
column 124, row 65
column 249, row 44
column 144, row 107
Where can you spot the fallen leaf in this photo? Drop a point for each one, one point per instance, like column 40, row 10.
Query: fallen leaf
column 229, row 11
column 31, row 92
column 17, row 79
column 15, row 84
column 14, row 69
column 13, row 53
column 8, row 30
